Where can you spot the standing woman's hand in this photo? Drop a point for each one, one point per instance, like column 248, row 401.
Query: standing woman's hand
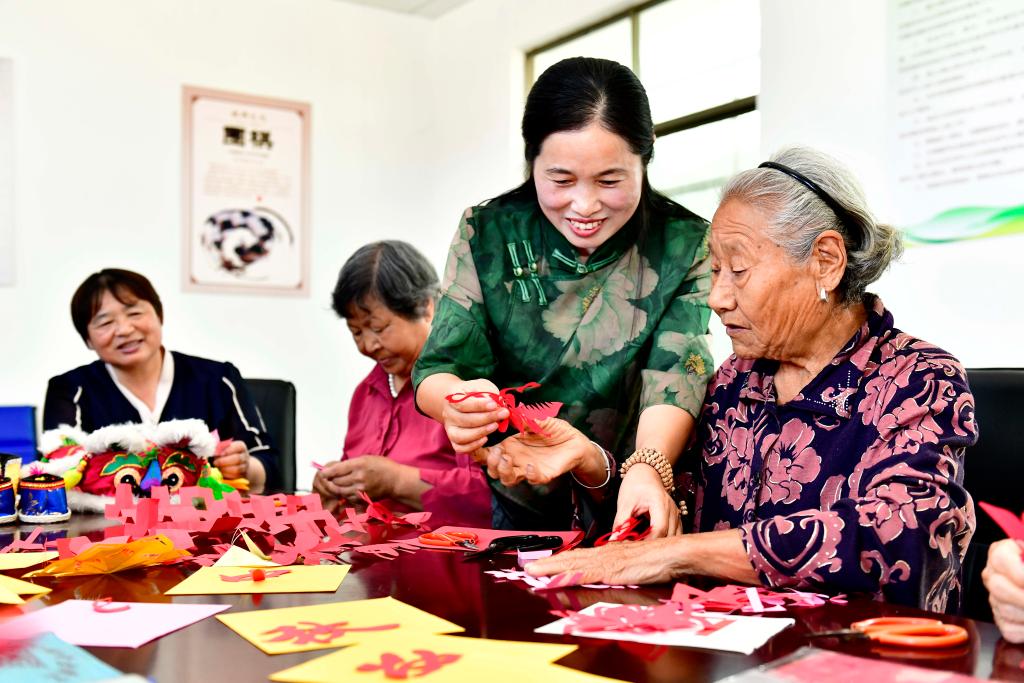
column 468, row 422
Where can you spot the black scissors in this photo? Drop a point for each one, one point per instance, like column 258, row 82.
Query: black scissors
column 523, row 542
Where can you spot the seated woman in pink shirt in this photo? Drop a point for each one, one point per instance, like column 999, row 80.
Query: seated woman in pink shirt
column 386, row 292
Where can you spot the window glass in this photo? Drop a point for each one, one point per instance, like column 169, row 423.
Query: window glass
column 613, row 42
column 697, row 54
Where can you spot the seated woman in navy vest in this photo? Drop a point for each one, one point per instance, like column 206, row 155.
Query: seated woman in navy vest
column 119, row 316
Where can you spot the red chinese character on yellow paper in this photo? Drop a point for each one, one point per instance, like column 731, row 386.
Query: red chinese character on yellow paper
column 426, row 662
column 306, row 632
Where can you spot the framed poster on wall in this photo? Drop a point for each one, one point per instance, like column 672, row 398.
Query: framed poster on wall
column 246, row 193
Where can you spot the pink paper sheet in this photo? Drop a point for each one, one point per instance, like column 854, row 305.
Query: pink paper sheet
column 79, row 623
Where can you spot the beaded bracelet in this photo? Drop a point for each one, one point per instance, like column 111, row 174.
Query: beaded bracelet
column 654, row 458
column 609, row 466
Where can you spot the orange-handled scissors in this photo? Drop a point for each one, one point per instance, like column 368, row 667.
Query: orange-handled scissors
column 450, row 539
column 915, row 632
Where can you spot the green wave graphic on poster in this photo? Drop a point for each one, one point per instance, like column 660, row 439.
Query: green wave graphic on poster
column 967, row 223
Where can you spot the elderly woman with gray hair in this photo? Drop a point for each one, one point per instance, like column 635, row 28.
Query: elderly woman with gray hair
column 830, row 446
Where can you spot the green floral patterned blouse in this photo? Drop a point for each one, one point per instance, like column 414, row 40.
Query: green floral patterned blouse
column 625, row 330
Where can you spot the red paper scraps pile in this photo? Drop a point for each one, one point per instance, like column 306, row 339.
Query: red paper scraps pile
column 288, row 529
column 641, row 619
column 540, row 583
column 748, row 599
column 523, row 417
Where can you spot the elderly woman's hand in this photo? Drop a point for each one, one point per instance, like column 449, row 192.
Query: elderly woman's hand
column 542, row 458
column 621, row 563
column 376, row 476
column 1004, row 579
column 468, row 422
column 235, row 462
column 642, row 493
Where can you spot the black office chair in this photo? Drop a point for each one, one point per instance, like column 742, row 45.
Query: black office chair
column 275, row 399
column 992, row 470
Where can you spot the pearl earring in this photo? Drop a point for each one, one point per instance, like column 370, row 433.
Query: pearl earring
column 823, row 294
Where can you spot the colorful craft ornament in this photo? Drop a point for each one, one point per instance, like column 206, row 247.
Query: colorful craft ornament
column 8, row 510
column 42, row 499
column 524, row 418
column 172, row 454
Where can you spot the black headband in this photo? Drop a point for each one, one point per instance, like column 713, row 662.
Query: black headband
column 842, row 214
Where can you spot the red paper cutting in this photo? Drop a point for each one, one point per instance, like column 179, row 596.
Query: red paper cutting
column 305, row 632
column 625, row 532
column 263, row 575
column 1010, row 523
column 426, row 662
column 524, row 418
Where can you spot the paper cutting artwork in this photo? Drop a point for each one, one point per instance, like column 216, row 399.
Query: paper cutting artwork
column 108, row 624
column 48, row 658
column 336, row 624
column 659, row 626
column 523, row 417
column 439, row 658
column 323, row 578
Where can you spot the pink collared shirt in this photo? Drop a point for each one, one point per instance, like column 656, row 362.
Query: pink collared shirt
column 381, row 425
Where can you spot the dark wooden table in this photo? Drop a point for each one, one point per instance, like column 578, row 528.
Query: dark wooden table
column 440, row 583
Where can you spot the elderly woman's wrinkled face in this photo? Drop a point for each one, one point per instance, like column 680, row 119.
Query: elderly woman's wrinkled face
column 766, row 301
column 388, row 338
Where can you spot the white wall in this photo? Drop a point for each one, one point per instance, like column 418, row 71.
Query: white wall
column 824, row 85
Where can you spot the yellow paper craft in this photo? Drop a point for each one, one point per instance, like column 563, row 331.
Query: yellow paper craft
column 443, row 658
column 11, row 590
column 107, row 558
column 323, row 578
column 253, row 548
column 10, row 561
column 335, row 624
column 237, row 557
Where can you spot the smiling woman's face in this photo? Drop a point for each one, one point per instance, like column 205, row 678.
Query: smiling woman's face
column 588, row 184
column 125, row 335
column 766, row 301
column 388, row 338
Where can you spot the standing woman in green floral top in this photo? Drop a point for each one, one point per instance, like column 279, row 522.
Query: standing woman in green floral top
column 585, row 280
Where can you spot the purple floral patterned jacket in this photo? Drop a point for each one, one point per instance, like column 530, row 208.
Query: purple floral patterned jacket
column 855, row 485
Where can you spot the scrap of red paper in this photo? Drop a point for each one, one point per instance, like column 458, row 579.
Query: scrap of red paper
column 425, row 662
column 624, row 532
column 256, row 575
column 523, row 417
column 305, row 632
column 1010, row 523
column 105, row 606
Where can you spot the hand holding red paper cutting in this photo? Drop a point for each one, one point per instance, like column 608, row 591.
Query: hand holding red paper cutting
column 642, row 493
column 651, row 561
column 477, row 408
column 1004, row 574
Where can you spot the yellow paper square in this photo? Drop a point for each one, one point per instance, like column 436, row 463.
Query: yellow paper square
column 12, row 589
column 10, row 561
column 415, row 654
column 261, row 627
column 323, row 578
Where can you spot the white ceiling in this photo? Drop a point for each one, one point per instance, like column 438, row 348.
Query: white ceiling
column 430, row 9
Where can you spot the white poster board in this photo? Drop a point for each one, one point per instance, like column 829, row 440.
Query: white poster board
column 246, row 187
